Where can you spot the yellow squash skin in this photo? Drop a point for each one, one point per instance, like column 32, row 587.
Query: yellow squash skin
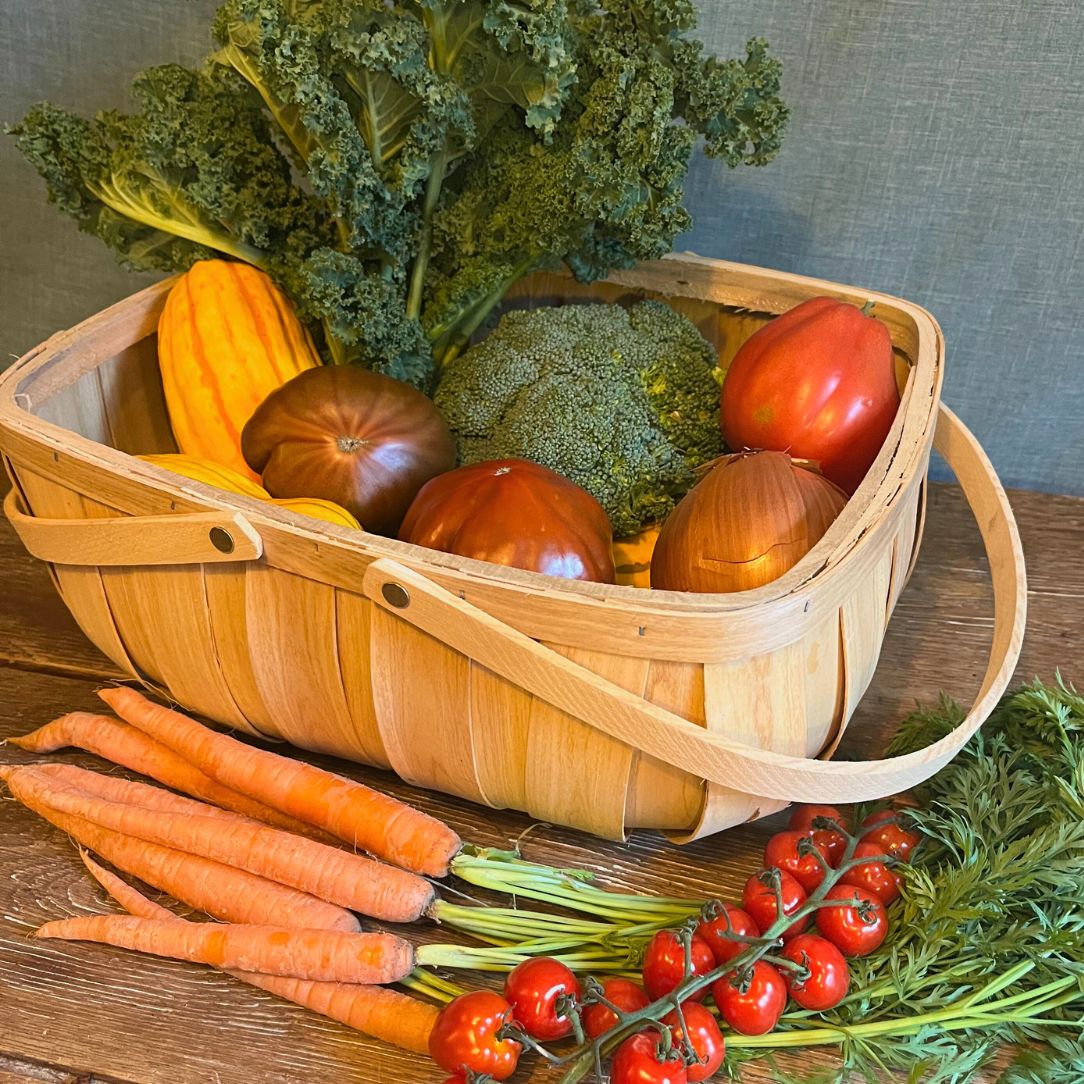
column 227, row 338
column 319, row 509
column 213, row 474
column 632, row 557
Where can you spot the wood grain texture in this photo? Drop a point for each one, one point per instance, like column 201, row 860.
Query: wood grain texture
column 130, row 1019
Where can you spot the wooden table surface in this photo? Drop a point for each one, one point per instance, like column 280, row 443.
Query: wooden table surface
column 74, row 1012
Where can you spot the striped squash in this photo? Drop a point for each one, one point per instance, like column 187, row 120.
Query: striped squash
column 212, row 474
column 632, row 557
column 318, row 508
column 227, row 338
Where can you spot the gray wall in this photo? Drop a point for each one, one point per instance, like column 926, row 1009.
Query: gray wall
column 935, row 152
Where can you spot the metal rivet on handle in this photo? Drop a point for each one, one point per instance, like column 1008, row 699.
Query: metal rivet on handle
column 396, row 595
column 221, row 539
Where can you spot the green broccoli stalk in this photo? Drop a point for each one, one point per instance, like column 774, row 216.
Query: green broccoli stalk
column 621, row 401
column 396, row 165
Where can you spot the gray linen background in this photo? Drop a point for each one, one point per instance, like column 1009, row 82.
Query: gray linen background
column 936, row 152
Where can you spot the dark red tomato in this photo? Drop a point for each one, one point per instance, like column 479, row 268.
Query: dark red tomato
column 533, row 989
column 875, row 876
column 829, row 842
column 731, row 920
column 638, row 1061
column 783, row 852
column 846, row 928
column 624, row 993
column 894, row 839
column 828, row 979
column 465, row 1036
column 457, row 1079
column 753, row 1000
column 664, row 964
column 818, row 382
column 759, row 901
column 705, row 1038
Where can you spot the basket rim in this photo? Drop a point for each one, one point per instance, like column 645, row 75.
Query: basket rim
column 735, row 286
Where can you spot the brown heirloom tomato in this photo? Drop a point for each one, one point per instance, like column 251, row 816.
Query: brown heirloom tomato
column 360, row 439
column 515, row 513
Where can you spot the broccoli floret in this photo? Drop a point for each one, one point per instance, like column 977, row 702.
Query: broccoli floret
column 621, row 401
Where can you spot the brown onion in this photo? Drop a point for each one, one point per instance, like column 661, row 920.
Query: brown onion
column 753, row 517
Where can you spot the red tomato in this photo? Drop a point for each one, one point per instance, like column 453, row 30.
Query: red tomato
column 752, row 1000
column 783, row 852
column 625, row 994
column 533, row 989
column 664, row 964
column 759, row 901
column 465, row 1036
column 732, row 920
column 845, row 927
column 875, row 876
column 892, row 839
column 705, row 1038
column 457, row 1079
column 818, row 382
column 828, row 979
column 638, row 1061
column 831, row 843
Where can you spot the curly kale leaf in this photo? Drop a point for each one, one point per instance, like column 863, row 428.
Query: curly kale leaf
column 190, row 177
column 620, row 401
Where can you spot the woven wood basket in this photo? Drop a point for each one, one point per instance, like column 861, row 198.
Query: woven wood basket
column 605, row 708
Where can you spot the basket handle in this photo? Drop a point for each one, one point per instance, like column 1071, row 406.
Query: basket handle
column 185, row 538
column 674, row 740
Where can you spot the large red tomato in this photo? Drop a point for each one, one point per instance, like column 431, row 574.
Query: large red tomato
column 514, row 513
column 818, row 382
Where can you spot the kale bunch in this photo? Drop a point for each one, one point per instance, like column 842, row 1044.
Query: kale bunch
column 397, row 166
column 621, row 401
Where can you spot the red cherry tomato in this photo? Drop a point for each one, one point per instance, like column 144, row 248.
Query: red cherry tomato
column 759, row 901
column 533, row 989
column 894, row 839
column 818, row 382
column 830, row 842
column 828, row 979
column 705, row 1038
column 664, row 964
column 625, row 994
column 845, row 927
column 752, row 1000
column 875, row 876
column 638, row 1061
column 457, row 1079
column 731, row 920
column 465, row 1036
column 784, row 852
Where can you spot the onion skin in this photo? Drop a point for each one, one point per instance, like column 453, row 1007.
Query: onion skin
column 752, row 518
column 514, row 513
column 357, row 438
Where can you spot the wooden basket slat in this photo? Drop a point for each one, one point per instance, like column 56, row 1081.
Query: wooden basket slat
column 863, row 620
column 353, row 617
column 290, row 629
column 500, row 716
column 825, row 701
column 760, row 701
column 660, row 795
column 421, row 691
column 81, row 588
column 592, row 799
column 135, row 407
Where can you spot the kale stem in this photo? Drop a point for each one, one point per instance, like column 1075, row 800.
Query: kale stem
column 425, row 238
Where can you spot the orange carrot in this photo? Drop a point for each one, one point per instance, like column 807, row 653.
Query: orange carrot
column 385, row 1014
column 349, row 880
column 322, row 955
column 363, row 817
column 128, row 746
column 225, row 892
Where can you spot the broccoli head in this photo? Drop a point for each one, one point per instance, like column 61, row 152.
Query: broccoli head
column 620, row 401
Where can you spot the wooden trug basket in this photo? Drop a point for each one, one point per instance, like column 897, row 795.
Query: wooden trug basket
column 605, row 708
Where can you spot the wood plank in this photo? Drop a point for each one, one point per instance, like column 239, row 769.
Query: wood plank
column 76, row 1008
